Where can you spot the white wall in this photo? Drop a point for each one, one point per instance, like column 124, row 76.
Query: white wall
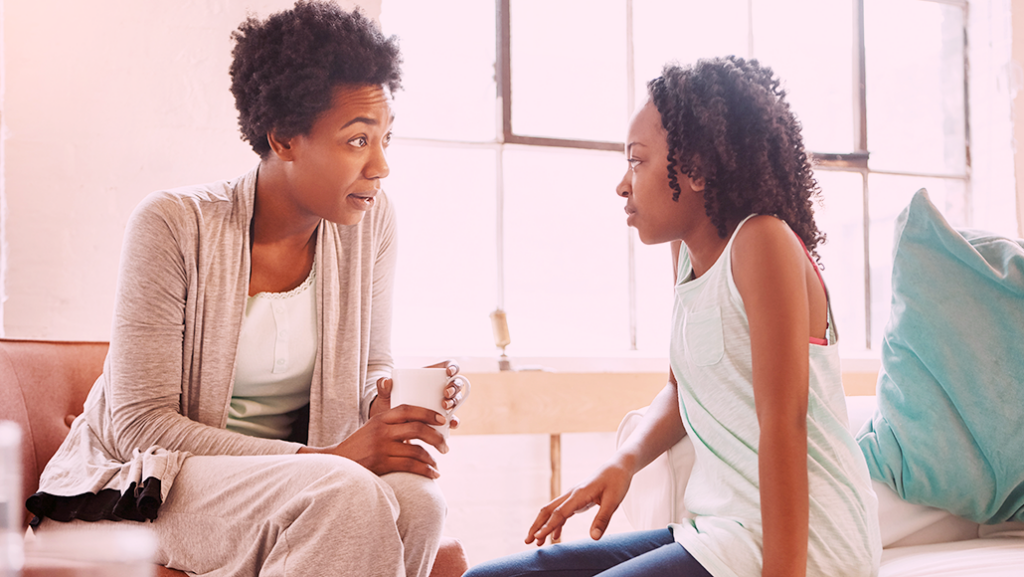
column 106, row 102
column 1018, row 106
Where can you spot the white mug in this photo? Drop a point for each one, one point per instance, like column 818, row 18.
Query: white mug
column 425, row 388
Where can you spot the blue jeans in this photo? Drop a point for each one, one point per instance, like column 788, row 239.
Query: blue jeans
column 641, row 553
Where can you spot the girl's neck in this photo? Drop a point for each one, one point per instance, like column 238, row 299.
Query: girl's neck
column 705, row 246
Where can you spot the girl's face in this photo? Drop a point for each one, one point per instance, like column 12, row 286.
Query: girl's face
column 337, row 168
column 656, row 217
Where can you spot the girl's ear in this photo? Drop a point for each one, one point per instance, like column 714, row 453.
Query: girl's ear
column 696, row 184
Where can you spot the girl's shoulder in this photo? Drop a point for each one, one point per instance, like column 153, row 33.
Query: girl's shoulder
column 763, row 233
column 760, row 224
column 762, row 247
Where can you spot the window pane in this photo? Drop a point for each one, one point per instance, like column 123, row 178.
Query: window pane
column 915, row 86
column 711, row 29
column 816, row 70
column 569, row 69
column 654, row 296
column 565, row 253
column 841, row 218
column 887, row 197
column 448, row 68
column 446, row 280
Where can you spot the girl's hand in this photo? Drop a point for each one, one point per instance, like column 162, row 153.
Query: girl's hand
column 455, row 391
column 381, row 445
column 606, row 489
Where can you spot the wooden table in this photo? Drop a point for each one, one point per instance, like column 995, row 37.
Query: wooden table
column 548, row 403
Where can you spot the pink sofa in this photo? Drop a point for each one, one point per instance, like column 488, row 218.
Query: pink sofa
column 43, row 386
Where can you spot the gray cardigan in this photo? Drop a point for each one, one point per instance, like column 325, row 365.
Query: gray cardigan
column 181, row 295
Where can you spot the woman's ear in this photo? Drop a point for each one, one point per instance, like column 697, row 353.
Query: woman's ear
column 281, row 146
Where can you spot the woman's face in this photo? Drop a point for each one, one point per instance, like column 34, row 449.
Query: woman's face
column 336, row 169
column 656, row 217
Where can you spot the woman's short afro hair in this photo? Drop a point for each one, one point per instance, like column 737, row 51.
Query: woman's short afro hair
column 285, row 68
column 729, row 123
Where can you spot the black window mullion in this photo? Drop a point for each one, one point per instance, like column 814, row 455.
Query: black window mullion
column 503, row 72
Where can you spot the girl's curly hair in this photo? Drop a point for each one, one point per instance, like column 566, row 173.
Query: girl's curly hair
column 729, row 124
column 285, row 69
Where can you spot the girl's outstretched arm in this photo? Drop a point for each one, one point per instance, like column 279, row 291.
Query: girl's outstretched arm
column 660, row 429
column 769, row 267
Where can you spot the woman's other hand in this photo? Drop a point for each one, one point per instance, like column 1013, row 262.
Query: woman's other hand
column 606, row 489
column 383, row 400
column 456, row 390
column 382, row 444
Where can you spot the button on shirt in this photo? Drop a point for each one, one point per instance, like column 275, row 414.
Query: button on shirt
column 274, row 367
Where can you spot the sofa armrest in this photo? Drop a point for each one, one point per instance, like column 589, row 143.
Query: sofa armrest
column 43, row 385
column 655, row 496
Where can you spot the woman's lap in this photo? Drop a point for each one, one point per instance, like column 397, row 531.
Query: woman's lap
column 320, row 504
column 620, row 555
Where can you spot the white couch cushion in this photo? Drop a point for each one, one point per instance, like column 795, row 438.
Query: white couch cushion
column 992, row 557
column 656, row 495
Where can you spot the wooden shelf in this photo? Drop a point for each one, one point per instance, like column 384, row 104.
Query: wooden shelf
column 535, row 402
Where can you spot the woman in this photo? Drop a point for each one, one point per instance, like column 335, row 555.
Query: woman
column 252, row 322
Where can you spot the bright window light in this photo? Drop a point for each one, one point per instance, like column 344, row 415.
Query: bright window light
column 841, row 218
column 566, row 255
column 519, row 212
column 568, row 71
column 448, row 68
column 816, row 70
column 915, row 86
column 445, row 203
column 683, row 32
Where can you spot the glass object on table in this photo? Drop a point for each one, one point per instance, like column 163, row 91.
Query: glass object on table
column 92, row 550
column 11, row 512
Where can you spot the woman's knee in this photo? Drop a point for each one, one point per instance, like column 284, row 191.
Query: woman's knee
column 328, row 478
column 417, row 495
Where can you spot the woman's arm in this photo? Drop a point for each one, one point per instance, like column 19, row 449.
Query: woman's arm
column 769, row 271
column 144, row 369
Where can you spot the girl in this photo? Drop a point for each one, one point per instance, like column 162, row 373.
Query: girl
column 252, row 323
column 717, row 168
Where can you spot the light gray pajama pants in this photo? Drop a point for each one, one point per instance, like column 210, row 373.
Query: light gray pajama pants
column 295, row 515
